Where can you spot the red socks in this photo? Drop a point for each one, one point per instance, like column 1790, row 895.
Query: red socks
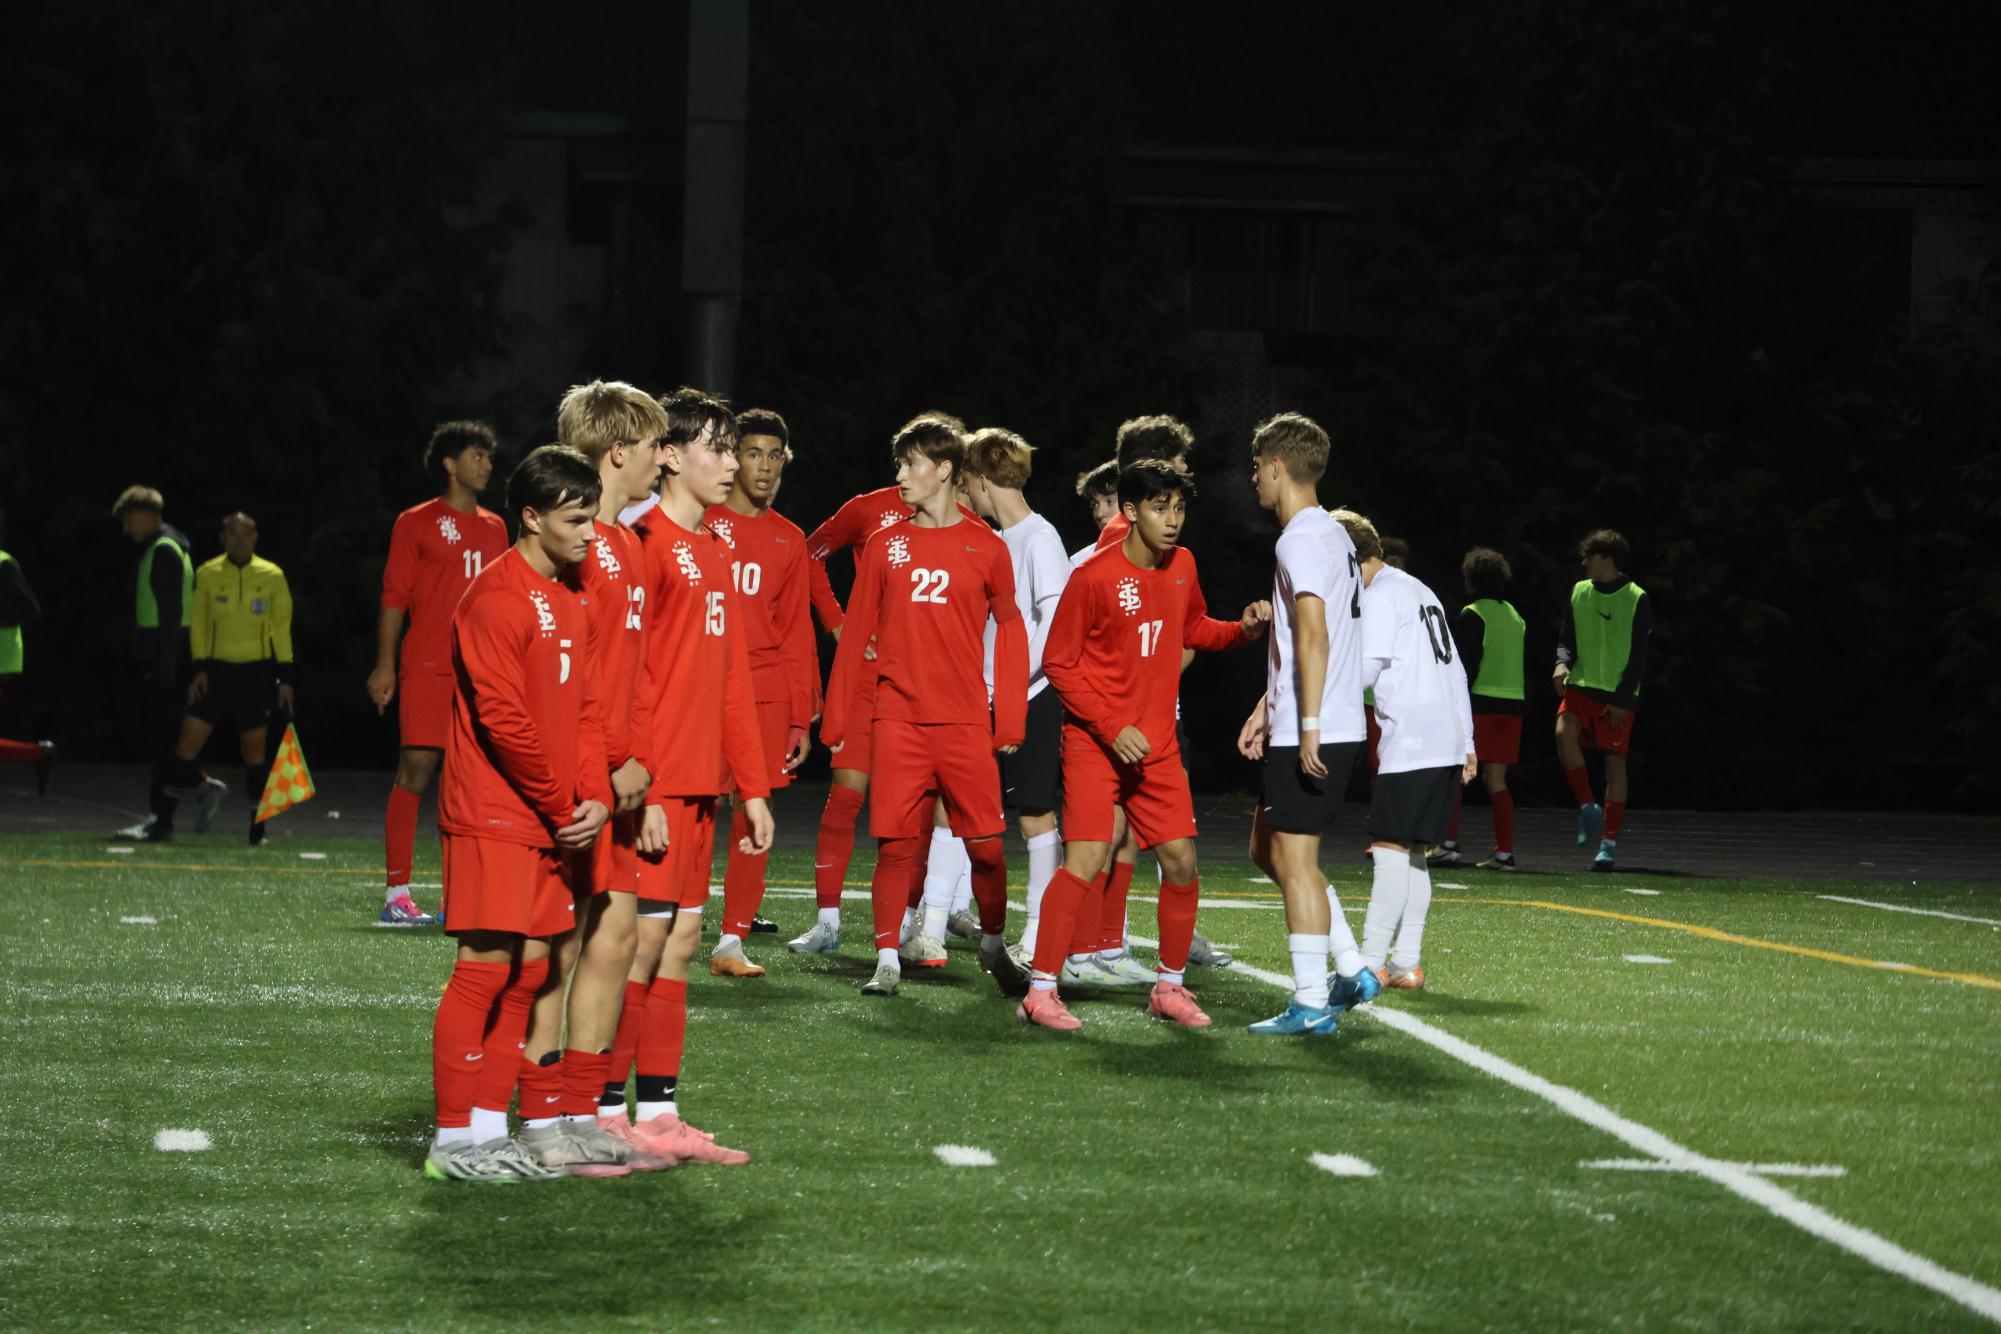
column 666, row 1031
column 1504, row 822
column 1177, row 923
column 1112, row 917
column 743, row 878
column 989, row 883
column 836, row 847
column 1059, row 916
column 1615, row 819
column 1089, row 923
column 583, row 1081
column 399, row 835
column 542, row 1087
column 625, row 1044
column 1580, row 784
column 458, row 1037
column 20, row 752
column 499, row 1065
column 896, row 861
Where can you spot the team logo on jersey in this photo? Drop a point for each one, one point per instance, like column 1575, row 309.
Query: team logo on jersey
column 448, row 527
column 608, row 559
column 899, row 550
column 684, row 557
column 545, row 616
column 1129, row 601
column 889, row 517
column 726, row 530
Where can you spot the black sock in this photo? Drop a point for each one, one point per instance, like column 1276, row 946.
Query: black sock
column 656, row 1088
column 613, row 1096
column 255, row 776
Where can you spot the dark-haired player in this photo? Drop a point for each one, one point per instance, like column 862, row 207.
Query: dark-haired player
column 435, row 551
column 1600, row 658
column 1161, row 437
column 1308, row 726
column 1098, row 488
column 162, row 612
column 1493, row 644
column 525, row 792
column 925, row 589
column 770, row 576
column 698, row 707
column 1114, row 657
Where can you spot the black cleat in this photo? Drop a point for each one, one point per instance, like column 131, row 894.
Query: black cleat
column 763, row 926
column 45, row 768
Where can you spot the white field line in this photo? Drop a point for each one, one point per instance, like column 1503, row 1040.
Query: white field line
column 182, row 1141
column 1920, row 912
column 312, row 856
column 139, row 921
column 1646, row 958
column 121, row 852
column 963, row 1155
column 1634, row 889
column 1342, row 1165
column 1762, row 1169
column 1738, row 1180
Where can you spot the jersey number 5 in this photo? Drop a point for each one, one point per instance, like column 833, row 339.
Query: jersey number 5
column 1437, row 631
column 929, row 585
column 713, row 625
column 1149, row 637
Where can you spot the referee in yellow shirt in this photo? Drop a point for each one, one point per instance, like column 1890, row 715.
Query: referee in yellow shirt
column 242, row 641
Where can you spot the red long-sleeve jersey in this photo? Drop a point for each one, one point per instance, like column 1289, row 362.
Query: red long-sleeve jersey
column 925, row 594
column 1114, row 648
column 851, row 525
column 1115, row 530
column 768, row 574
column 435, row 553
column 527, row 740
column 612, row 572
column 695, row 701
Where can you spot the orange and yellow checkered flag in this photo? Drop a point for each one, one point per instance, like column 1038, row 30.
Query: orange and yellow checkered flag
column 290, row 782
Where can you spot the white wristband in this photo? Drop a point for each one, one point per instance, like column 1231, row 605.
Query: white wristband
column 1309, row 724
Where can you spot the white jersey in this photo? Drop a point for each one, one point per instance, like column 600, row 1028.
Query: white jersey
column 1317, row 557
column 1420, row 684
column 630, row 514
column 1035, row 549
column 1082, row 554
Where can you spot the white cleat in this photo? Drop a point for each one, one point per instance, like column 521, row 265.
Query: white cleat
column 1122, row 970
column 922, row 952
column 822, row 939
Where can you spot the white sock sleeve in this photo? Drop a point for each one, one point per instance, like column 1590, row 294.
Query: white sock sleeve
column 1386, row 900
column 1417, row 905
column 1341, row 938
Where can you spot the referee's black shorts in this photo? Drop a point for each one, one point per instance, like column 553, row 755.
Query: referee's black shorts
column 1296, row 804
column 1032, row 777
column 240, row 696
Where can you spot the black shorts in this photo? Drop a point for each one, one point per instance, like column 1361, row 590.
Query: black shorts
column 240, row 696
column 1414, row 806
column 1032, row 777
column 1296, row 804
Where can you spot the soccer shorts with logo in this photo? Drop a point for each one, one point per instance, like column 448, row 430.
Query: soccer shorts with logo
column 774, row 724
column 491, row 885
column 1497, row 737
column 1596, row 730
column 240, row 696
column 679, row 878
column 424, row 709
column 955, row 760
column 1154, row 792
column 1414, row 806
column 1032, row 777
column 1297, row 804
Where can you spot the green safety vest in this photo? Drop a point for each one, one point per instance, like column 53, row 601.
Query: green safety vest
column 1604, row 626
column 146, row 611
column 1500, row 650
column 10, row 641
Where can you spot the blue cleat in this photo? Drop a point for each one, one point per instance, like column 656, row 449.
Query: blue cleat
column 1590, row 819
column 1349, row 992
column 1298, row 1019
column 1603, row 861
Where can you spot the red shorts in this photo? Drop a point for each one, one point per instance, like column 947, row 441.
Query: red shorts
column 774, row 724
column 1595, row 730
column 1497, row 737
column 496, row 886
column 424, row 710
column 614, row 859
column 679, row 878
column 1153, row 792
column 956, row 760
column 855, row 749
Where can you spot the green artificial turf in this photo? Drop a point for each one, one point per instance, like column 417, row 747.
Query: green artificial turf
column 1146, row 1177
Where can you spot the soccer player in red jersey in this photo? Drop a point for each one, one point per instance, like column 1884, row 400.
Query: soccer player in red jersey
column 1114, row 656
column 526, row 787
column 1165, row 438
column 924, row 590
column 769, row 577
column 435, row 551
column 696, row 709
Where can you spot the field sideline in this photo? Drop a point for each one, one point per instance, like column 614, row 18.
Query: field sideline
column 1628, row 1100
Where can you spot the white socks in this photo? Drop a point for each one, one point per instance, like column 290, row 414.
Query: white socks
column 831, row 917
column 646, row 1111
column 944, row 868
column 1386, row 901
column 1341, row 938
column 1045, row 854
column 450, row 1135
column 727, row 939
column 488, row 1125
column 888, row 957
column 1410, row 935
column 1309, row 970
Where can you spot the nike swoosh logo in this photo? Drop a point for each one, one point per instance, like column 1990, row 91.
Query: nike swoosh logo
column 475, row 1056
column 1606, row 614
column 823, row 866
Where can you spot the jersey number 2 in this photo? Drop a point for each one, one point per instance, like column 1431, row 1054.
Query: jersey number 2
column 929, row 585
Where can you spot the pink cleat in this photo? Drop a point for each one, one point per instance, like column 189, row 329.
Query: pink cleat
column 641, row 1158
column 669, row 1136
column 1046, row 1008
column 1176, row 1004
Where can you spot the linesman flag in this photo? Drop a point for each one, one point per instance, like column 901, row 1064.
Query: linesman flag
column 290, row 782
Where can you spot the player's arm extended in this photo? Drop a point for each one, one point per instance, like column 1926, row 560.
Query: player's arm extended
column 492, row 648
column 850, row 660
column 1063, row 664
column 1203, row 631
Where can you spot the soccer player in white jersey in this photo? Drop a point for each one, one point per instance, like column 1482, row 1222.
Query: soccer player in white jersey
column 1426, row 753
column 1308, row 727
